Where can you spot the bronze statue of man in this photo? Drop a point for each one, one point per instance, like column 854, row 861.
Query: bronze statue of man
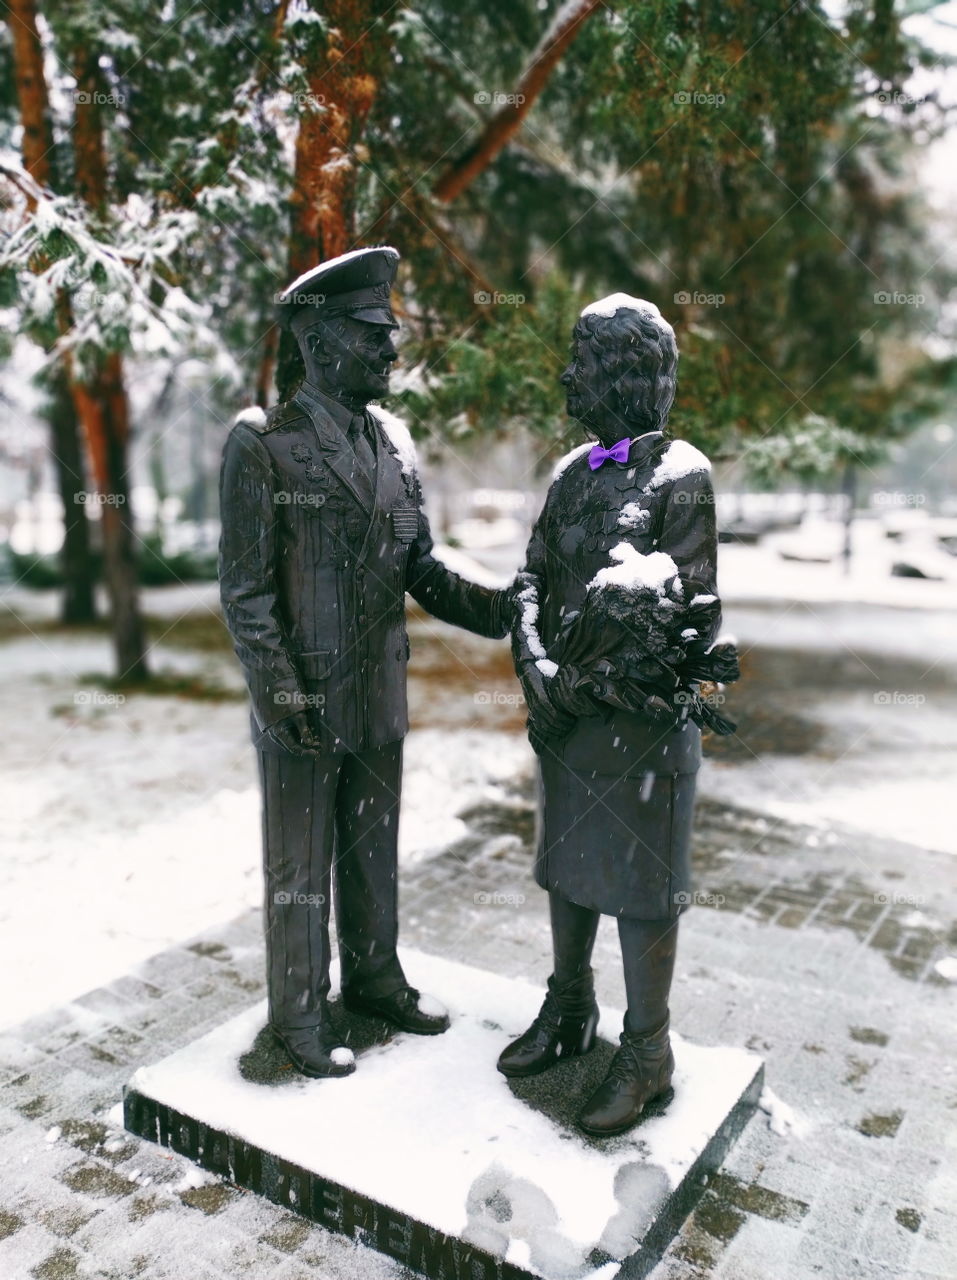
column 323, row 535
column 618, row 614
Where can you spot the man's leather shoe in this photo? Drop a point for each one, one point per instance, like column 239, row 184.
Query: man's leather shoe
column 316, row 1051
column 640, row 1071
column 565, row 1026
column 406, row 1009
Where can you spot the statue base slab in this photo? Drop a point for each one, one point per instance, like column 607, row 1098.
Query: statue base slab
column 427, row 1154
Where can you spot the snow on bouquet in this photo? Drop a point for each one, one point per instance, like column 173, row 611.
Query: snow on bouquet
column 637, row 643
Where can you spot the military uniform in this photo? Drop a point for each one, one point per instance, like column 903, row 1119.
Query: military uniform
column 612, row 838
column 323, row 535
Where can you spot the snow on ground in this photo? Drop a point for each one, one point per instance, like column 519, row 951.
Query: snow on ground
column 130, row 825
column 888, row 762
column 761, row 573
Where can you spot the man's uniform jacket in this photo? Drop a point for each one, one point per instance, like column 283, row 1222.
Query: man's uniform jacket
column 316, row 557
column 321, row 540
column 612, row 837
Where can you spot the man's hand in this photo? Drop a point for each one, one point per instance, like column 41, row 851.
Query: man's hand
column 295, row 735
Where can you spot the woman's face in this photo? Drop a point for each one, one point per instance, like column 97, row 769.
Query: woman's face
column 591, row 395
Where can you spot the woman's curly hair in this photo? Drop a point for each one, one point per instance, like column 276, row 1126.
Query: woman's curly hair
column 638, row 353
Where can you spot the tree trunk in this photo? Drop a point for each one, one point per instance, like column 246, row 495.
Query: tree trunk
column 343, row 79
column 103, row 409
column 102, row 404
column 78, row 604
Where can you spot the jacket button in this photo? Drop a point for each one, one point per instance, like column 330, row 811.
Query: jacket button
column 362, row 618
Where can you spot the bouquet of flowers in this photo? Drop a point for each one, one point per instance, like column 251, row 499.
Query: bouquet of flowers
column 638, row 644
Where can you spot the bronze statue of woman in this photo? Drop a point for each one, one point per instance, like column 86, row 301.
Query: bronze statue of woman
column 614, row 635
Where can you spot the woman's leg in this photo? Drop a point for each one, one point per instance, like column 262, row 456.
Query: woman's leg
column 648, row 952
column 567, row 1021
column 573, row 937
column 643, row 1066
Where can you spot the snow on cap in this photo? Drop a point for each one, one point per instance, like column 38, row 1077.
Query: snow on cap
column 615, row 302
column 357, row 283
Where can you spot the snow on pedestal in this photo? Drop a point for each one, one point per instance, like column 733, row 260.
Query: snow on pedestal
column 428, row 1154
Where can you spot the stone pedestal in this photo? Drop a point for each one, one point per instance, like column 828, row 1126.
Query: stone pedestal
column 427, row 1154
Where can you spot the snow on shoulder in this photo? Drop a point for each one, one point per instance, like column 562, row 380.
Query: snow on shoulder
column 254, row 416
column 399, row 436
column 635, row 571
column 680, row 459
column 615, row 302
column 567, row 459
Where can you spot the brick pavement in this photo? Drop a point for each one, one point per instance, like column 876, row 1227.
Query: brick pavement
column 815, row 947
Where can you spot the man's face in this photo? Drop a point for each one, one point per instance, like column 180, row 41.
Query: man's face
column 590, row 394
column 357, row 357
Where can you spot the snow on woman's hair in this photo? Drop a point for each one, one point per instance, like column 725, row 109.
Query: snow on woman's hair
column 616, row 302
column 399, row 437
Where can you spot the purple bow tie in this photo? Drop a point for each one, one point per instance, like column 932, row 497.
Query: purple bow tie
column 618, row 452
